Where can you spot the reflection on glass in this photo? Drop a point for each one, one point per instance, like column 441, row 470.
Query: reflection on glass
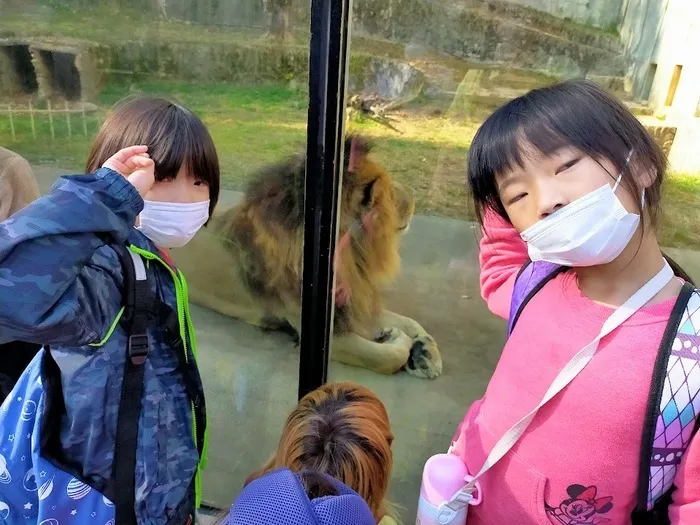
column 423, row 76
column 242, row 67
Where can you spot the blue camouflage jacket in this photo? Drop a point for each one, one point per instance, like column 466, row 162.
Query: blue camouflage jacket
column 61, row 285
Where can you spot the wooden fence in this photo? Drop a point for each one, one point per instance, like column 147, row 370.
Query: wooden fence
column 71, row 115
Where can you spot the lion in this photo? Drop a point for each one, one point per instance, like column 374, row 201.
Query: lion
column 249, row 264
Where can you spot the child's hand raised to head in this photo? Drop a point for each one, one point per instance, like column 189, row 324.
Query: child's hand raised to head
column 134, row 164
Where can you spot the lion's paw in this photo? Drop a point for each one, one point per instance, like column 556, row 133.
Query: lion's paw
column 396, row 348
column 424, row 359
column 393, row 335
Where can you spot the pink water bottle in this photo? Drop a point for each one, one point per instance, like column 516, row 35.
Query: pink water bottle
column 443, row 499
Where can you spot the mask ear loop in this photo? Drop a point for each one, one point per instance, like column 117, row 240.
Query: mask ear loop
column 619, row 178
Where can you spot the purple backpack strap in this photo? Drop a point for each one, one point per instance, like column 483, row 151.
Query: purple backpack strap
column 674, row 402
column 532, row 277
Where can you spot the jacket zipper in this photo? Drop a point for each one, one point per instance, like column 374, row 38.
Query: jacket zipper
column 185, row 327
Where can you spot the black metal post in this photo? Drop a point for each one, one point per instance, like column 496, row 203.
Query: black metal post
column 326, row 118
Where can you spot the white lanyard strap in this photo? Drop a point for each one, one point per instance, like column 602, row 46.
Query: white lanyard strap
column 567, row 374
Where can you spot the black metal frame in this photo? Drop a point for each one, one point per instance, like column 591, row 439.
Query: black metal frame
column 324, row 152
column 330, row 24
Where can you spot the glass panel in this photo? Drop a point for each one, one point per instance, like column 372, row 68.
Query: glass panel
column 423, row 77
column 242, row 66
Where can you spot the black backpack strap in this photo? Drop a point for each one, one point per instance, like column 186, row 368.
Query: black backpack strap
column 139, row 311
column 658, row 514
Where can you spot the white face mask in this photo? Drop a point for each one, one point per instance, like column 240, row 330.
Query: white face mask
column 590, row 231
column 172, row 224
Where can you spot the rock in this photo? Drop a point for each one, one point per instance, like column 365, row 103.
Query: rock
column 393, row 80
column 664, row 135
column 416, row 51
column 439, row 78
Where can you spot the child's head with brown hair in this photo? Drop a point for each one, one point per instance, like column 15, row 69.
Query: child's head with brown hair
column 186, row 162
column 342, row 430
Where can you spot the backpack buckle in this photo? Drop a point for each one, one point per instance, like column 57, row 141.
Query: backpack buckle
column 138, row 348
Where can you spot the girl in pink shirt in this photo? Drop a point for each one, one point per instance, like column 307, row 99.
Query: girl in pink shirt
column 578, row 463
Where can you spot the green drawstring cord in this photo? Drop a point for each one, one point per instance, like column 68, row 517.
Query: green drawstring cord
column 111, row 329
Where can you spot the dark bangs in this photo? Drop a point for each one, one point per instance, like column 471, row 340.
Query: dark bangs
column 174, row 135
column 575, row 113
column 194, row 148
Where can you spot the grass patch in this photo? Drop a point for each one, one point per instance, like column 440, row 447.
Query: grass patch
column 255, row 125
column 251, row 125
column 680, row 217
column 125, row 24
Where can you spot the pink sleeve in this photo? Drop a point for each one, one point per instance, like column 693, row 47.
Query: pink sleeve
column 685, row 509
column 502, row 253
column 458, row 441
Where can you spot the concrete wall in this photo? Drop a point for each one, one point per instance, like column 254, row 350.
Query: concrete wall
column 9, row 82
column 659, row 35
column 640, row 28
column 470, row 30
column 678, row 44
column 598, row 13
column 662, row 33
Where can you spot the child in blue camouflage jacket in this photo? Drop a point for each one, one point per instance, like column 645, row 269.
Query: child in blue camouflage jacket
column 153, row 181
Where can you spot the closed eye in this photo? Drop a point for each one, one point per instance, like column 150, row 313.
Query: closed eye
column 568, row 165
column 517, row 198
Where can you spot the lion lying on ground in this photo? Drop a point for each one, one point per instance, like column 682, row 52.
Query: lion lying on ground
column 249, row 263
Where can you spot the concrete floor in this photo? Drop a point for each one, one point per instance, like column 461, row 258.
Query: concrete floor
column 251, row 377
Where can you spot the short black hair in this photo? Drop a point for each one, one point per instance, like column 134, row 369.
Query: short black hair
column 575, row 113
column 174, row 135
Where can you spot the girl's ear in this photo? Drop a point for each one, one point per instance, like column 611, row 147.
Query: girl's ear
column 647, row 174
column 652, row 175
